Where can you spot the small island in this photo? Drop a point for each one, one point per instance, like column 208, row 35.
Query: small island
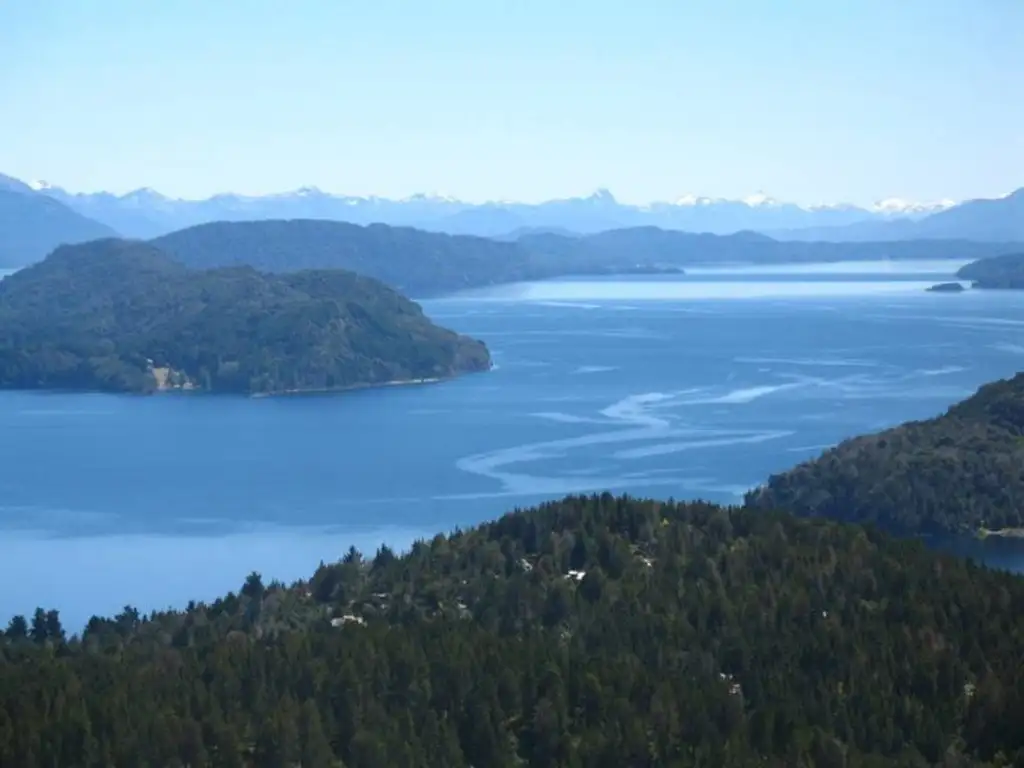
column 121, row 316
column 650, row 269
column 947, row 288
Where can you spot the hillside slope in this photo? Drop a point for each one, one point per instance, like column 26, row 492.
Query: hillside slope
column 997, row 220
column 958, row 472
column 421, row 264
column 414, row 262
column 1000, row 219
column 32, row 225
column 120, row 315
column 590, row 631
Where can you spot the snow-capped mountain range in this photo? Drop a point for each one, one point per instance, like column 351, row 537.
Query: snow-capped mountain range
column 147, row 213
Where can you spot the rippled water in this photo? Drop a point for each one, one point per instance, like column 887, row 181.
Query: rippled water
column 697, row 386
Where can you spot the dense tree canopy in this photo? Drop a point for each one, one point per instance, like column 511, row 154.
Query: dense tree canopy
column 412, row 261
column 958, row 472
column 594, row 631
column 121, row 316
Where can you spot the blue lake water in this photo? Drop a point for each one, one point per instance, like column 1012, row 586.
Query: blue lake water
column 694, row 386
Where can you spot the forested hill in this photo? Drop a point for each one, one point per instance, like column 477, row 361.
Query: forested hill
column 590, row 632
column 958, row 472
column 121, row 316
column 414, row 262
column 422, row 264
column 684, row 249
column 1005, row 271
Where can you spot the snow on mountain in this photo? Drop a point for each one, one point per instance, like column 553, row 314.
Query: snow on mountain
column 430, row 197
column 759, row 199
column 694, row 200
column 147, row 213
column 899, row 207
column 834, row 207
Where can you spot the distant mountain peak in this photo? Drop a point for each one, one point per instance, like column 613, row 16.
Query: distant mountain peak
column 303, row 193
column 143, row 194
column 602, row 195
column 430, row 197
column 145, row 213
column 760, row 200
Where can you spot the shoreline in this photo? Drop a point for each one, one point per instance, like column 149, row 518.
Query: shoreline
column 354, row 387
column 198, row 391
column 1006, row 533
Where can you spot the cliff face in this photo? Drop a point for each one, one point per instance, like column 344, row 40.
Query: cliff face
column 167, row 379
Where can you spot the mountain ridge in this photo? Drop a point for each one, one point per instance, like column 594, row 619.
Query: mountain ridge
column 33, row 224
column 421, row 263
column 998, row 219
column 145, row 213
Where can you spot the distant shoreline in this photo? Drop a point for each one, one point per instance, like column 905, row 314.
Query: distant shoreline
column 1006, row 533
column 354, row 387
column 179, row 391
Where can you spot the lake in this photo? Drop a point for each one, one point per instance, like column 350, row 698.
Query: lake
column 692, row 386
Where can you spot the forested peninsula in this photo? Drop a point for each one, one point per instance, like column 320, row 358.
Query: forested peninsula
column 1005, row 271
column 422, row 264
column 593, row 631
column 959, row 472
column 121, row 316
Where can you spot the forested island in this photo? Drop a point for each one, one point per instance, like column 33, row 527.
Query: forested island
column 1005, row 271
column 590, row 631
column 957, row 473
column 121, row 316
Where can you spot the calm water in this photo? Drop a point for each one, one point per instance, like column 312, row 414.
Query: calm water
column 689, row 387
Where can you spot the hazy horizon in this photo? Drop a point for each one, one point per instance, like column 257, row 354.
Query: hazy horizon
column 754, row 199
column 812, row 103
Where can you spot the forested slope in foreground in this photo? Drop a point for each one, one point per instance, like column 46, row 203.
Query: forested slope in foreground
column 119, row 315
column 956, row 473
column 594, row 631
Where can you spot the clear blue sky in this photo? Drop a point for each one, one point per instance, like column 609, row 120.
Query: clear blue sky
column 809, row 100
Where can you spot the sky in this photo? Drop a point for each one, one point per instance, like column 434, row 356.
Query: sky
column 811, row 101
